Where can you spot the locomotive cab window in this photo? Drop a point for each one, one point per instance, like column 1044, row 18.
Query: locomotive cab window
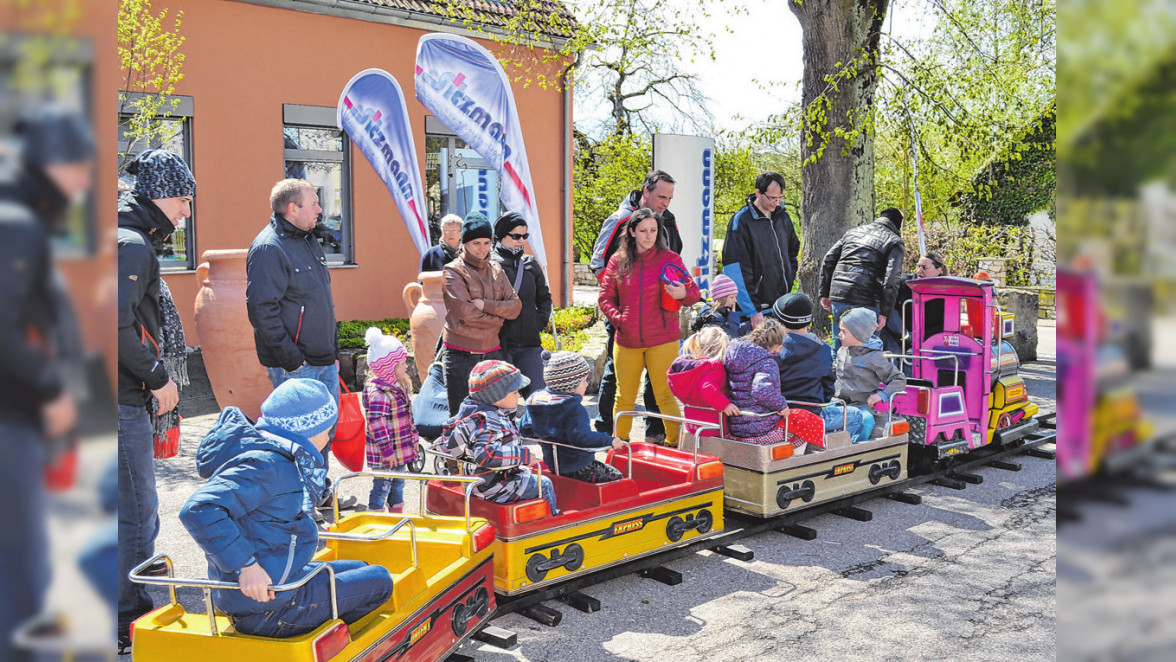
column 933, row 316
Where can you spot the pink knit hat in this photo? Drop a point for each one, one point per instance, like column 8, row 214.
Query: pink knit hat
column 384, row 352
column 722, row 286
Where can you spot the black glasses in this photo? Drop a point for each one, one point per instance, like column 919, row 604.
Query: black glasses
column 518, row 237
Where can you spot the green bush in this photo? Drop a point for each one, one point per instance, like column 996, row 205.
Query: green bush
column 570, row 342
column 351, row 332
column 574, row 318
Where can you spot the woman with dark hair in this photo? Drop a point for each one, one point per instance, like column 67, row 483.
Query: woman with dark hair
column 930, row 265
column 520, row 336
column 647, row 334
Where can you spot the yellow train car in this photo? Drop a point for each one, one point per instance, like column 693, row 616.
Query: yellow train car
column 667, row 498
column 442, row 591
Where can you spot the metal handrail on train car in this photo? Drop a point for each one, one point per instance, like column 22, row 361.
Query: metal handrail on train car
column 699, row 426
column 822, row 405
column 208, row 584
column 555, row 456
column 472, row 480
column 934, row 356
column 432, row 450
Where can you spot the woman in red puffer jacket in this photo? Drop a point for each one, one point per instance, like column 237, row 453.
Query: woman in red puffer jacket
column 647, row 334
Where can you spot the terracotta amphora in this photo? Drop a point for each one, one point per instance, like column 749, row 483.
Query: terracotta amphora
column 427, row 319
column 226, row 336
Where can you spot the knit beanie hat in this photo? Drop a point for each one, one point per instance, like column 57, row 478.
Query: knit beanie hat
column 894, row 215
column 722, row 286
column 301, row 406
column 476, row 226
column 794, row 310
column 384, row 353
column 492, row 380
column 507, row 222
column 564, row 370
column 55, row 135
column 860, row 322
column 159, row 174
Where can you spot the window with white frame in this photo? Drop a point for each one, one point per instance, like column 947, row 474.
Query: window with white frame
column 179, row 252
column 316, row 150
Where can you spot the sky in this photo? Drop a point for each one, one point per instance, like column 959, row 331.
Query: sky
column 758, row 62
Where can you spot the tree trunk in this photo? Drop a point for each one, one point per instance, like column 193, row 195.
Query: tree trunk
column 838, row 189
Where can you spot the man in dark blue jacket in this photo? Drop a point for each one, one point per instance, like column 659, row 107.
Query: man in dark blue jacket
column 253, row 516
column 761, row 248
column 147, row 216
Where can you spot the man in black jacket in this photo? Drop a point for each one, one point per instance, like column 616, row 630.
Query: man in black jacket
column 147, row 216
column 520, row 336
column 761, row 247
column 863, row 269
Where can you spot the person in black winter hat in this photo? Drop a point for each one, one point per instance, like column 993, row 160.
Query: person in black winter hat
column 863, row 269
column 520, row 336
column 147, row 215
column 40, row 343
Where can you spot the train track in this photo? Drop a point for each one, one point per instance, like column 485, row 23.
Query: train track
column 957, row 475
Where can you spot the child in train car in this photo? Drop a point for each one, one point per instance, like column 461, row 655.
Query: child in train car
column 556, row 413
column 391, row 441
column 697, row 378
column 865, row 377
column 484, row 433
column 721, row 311
column 754, row 380
column 253, row 516
column 806, row 364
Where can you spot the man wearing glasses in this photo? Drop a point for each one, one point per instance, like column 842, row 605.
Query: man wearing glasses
column 760, row 251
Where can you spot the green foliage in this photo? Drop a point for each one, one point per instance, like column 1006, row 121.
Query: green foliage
column 603, row 174
column 1020, row 181
column 962, row 247
column 571, row 342
column 351, row 332
column 574, row 318
column 151, row 63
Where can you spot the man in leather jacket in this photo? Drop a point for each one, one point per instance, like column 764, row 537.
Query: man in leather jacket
column 863, row 269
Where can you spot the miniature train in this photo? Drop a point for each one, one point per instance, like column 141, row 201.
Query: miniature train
column 450, row 562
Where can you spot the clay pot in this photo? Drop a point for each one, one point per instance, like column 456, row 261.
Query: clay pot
column 427, row 319
column 226, row 336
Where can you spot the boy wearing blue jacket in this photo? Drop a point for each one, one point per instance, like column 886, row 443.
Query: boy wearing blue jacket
column 253, row 516
column 556, row 413
column 806, row 364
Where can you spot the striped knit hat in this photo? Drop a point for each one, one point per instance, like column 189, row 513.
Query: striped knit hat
column 794, row 310
column 722, row 286
column 384, row 352
column 564, row 370
column 492, row 380
column 300, row 406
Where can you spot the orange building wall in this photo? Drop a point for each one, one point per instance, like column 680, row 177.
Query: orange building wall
column 243, row 62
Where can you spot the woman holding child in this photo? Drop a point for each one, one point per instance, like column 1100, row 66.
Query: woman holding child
column 647, row 334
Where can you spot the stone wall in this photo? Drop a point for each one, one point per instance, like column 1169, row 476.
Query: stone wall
column 1024, row 305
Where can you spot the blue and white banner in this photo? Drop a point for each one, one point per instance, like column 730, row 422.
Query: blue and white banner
column 690, row 161
column 463, row 85
column 371, row 110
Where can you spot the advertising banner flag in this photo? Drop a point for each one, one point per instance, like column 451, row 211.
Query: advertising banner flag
column 690, row 159
column 372, row 112
column 463, row 85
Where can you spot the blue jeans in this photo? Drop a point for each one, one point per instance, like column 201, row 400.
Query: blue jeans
column 839, row 310
column 327, row 374
column 867, row 428
column 836, row 415
column 531, row 491
column 24, row 541
column 359, row 588
column 529, row 361
column 138, row 508
column 386, row 492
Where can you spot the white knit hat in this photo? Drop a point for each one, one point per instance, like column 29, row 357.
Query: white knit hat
column 384, row 352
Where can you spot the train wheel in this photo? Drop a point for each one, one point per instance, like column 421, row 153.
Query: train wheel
column 705, row 521
column 675, row 528
column 461, row 619
column 534, row 572
column 483, row 601
column 576, row 553
column 1005, row 421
